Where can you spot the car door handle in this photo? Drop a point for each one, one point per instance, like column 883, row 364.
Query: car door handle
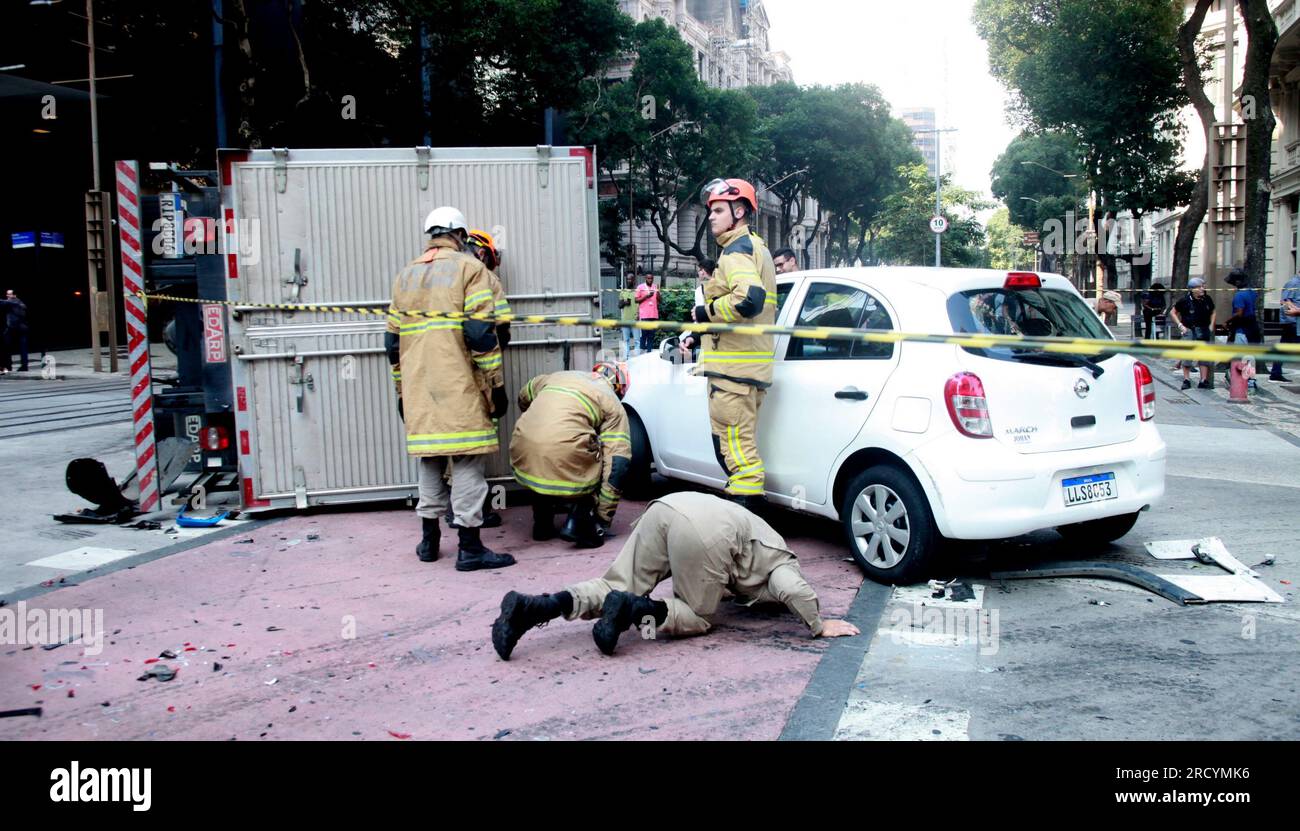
column 852, row 393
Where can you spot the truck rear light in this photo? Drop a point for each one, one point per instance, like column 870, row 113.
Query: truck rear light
column 1022, row 280
column 964, row 395
column 214, row 439
column 1146, row 391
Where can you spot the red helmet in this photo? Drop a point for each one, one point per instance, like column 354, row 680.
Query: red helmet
column 615, row 373
column 729, row 190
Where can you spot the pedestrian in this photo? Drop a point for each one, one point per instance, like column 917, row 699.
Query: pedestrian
column 1289, row 315
column 1108, row 304
column 647, row 299
column 1155, row 301
column 709, row 547
column 1194, row 315
column 785, row 261
column 628, row 309
column 1243, row 320
column 572, row 445
column 703, row 272
column 433, row 360
column 738, row 366
column 15, row 331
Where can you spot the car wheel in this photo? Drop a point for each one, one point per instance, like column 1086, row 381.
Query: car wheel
column 888, row 525
column 1100, row 530
column 637, row 483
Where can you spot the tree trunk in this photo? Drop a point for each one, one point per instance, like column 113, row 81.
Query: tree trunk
column 1191, row 219
column 1262, row 32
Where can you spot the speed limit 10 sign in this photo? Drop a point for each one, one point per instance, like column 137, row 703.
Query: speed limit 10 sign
column 938, row 224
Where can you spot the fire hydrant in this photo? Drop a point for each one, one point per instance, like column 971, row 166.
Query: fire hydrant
column 1240, row 371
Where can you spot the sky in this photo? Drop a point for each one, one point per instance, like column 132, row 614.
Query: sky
column 924, row 54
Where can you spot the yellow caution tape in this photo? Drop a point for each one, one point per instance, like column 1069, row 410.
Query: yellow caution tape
column 1184, row 350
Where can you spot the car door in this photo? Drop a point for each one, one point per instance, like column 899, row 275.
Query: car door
column 683, row 436
column 823, row 390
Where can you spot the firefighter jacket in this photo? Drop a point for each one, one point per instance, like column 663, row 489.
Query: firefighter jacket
column 742, row 290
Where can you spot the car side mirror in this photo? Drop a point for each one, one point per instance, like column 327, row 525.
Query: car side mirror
column 668, row 350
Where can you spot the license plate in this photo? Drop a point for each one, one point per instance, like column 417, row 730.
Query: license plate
column 1095, row 488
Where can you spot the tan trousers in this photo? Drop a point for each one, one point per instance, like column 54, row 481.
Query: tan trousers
column 469, row 488
column 733, row 416
column 657, row 549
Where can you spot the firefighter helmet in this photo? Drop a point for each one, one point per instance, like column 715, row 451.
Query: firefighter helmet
column 615, row 373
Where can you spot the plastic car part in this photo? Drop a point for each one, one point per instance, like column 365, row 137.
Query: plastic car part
column 1123, row 572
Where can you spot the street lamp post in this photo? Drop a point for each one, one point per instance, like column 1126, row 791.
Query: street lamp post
column 631, row 191
column 938, row 194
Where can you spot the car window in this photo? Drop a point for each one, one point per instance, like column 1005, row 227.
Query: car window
column 1037, row 312
column 782, row 294
column 832, row 304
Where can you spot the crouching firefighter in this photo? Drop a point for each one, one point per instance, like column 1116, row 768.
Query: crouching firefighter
column 434, row 363
column 738, row 366
column 709, row 546
column 571, row 445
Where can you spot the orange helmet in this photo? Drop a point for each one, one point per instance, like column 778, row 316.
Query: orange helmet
column 729, row 190
column 615, row 373
column 482, row 241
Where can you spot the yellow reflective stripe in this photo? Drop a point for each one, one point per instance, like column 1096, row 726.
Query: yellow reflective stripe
column 582, row 399
column 771, row 301
column 396, row 373
column 740, row 487
column 736, row 358
column 488, row 361
column 503, row 306
column 723, row 307
column 556, row 487
column 441, row 436
column 428, row 325
column 475, row 298
column 608, row 495
column 616, row 437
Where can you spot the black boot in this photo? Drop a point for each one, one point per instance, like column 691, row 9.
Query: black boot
column 521, row 612
column 474, row 555
column 491, row 519
column 591, row 533
column 622, row 610
column 572, row 524
column 427, row 550
column 543, row 520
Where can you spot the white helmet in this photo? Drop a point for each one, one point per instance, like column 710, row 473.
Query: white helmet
column 445, row 219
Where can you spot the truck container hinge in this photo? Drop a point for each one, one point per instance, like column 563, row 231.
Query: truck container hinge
column 299, row 488
column 423, row 159
column 544, row 164
column 281, row 168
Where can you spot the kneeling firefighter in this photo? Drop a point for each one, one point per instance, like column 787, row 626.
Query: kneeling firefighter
column 572, row 445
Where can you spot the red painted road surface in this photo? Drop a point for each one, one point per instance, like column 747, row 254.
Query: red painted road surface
column 350, row 636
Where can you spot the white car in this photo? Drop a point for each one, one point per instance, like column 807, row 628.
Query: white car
column 909, row 444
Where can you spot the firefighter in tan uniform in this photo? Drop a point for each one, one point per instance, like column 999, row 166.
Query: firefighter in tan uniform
column 738, row 366
column 708, row 545
column 572, row 445
column 483, row 247
column 448, row 417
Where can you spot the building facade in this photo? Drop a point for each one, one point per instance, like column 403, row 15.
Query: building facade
column 921, row 121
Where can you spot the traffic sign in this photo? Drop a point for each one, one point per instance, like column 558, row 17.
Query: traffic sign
column 938, row 224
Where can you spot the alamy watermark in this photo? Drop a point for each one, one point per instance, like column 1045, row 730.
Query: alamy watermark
column 973, row 625
column 21, row 626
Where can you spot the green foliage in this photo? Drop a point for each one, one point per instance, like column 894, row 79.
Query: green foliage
column 1022, row 174
column 1106, row 73
column 1004, row 243
column 906, row 238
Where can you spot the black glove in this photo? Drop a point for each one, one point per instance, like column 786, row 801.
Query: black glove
column 400, row 412
column 500, row 403
column 700, row 314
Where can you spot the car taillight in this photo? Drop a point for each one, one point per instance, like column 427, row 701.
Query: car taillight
column 964, row 395
column 1022, row 280
column 214, row 439
column 1146, row 391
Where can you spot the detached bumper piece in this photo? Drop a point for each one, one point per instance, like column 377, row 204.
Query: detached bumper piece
column 1122, row 572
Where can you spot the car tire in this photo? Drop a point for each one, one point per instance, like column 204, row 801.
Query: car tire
column 905, row 551
column 1100, row 530
column 637, row 483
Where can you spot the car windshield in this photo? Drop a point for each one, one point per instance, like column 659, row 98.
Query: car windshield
column 1039, row 312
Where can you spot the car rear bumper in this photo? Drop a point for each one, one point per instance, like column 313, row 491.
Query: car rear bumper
column 983, row 491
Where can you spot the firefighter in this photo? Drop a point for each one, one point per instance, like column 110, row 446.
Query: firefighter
column 709, row 546
column 738, row 366
column 448, row 418
column 483, row 247
column 571, row 444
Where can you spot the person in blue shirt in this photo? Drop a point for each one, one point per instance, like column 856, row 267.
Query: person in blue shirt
column 1243, row 320
column 1290, row 316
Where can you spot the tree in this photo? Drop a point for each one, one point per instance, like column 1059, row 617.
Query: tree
column 1262, row 31
column 661, row 134
column 906, row 238
column 1004, row 243
column 1194, row 85
column 1024, row 177
column 1083, row 67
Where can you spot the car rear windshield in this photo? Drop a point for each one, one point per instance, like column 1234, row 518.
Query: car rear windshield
column 1040, row 312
